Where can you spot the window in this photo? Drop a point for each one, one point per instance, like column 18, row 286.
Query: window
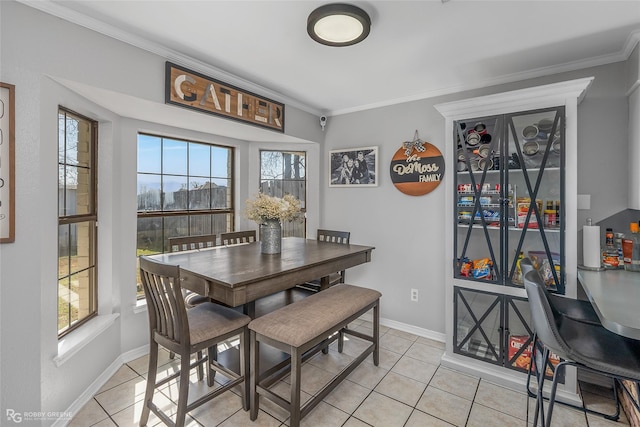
column 77, row 220
column 284, row 172
column 185, row 188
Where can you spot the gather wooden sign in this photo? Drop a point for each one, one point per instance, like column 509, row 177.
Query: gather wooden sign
column 196, row 91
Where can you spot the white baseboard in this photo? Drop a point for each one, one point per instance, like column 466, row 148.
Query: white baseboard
column 141, row 351
column 96, row 385
column 421, row 332
column 404, row 327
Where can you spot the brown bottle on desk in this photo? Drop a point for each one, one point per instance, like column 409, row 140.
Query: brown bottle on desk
column 610, row 253
column 631, row 249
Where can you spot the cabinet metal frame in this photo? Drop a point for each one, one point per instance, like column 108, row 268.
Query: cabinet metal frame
column 458, row 348
column 504, row 128
column 507, row 309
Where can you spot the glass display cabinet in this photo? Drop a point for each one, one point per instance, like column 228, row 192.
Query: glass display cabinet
column 513, row 194
column 508, row 198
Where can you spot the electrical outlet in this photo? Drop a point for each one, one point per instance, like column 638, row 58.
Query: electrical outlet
column 414, row 295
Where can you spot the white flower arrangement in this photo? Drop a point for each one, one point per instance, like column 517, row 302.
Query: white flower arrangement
column 265, row 207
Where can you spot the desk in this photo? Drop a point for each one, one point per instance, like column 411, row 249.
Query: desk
column 615, row 295
column 240, row 274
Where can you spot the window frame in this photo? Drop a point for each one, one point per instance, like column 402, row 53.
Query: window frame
column 91, row 218
column 286, row 231
column 229, row 211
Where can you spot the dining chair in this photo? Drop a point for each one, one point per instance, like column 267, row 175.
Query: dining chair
column 186, row 332
column 586, row 346
column 187, row 243
column 329, row 236
column 237, row 237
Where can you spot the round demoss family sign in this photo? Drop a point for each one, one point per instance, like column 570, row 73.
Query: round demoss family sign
column 417, row 168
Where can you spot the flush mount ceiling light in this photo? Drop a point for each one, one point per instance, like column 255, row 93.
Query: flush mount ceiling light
column 338, row 24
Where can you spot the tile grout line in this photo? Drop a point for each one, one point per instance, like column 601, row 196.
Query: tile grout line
column 139, row 376
column 473, row 401
column 373, row 388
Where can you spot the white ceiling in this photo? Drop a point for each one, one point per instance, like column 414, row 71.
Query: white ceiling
column 416, row 49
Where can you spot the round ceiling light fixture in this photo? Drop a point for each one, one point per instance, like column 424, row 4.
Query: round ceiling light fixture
column 338, row 24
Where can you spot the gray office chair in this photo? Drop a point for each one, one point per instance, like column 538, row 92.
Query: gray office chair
column 583, row 345
column 579, row 310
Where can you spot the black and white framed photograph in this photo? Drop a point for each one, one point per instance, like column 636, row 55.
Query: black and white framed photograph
column 353, row 167
column 7, row 163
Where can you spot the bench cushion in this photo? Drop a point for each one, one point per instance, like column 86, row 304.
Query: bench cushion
column 304, row 320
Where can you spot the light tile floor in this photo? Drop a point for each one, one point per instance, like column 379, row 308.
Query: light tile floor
column 409, row 388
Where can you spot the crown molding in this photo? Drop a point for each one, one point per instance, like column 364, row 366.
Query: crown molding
column 74, row 17
column 59, row 11
column 507, row 78
column 632, row 41
column 520, row 99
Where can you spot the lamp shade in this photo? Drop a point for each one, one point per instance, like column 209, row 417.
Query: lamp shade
column 338, row 24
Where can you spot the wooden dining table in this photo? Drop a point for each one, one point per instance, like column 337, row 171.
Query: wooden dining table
column 238, row 275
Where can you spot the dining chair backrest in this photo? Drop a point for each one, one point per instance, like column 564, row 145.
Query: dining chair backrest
column 187, row 243
column 166, row 307
column 333, row 236
column 544, row 316
column 237, row 237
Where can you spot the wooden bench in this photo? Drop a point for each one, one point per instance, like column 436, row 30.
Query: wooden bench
column 301, row 330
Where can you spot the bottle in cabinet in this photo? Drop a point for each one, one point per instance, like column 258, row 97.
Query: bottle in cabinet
column 550, row 214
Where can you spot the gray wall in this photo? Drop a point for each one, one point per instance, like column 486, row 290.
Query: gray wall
column 52, row 62
column 98, row 75
column 408, row 231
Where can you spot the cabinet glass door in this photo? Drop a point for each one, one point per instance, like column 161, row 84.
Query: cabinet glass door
column 535, row 142
column 479, row 199
column 478, row 320
column 509, row 197
column 519, row 340
column 518, row 334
